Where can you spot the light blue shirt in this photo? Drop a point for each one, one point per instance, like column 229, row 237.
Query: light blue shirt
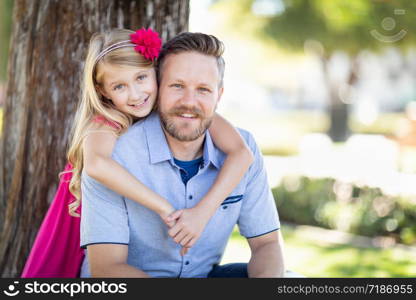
column 108, row 218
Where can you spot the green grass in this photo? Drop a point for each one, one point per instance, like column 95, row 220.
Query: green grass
column 313, row 259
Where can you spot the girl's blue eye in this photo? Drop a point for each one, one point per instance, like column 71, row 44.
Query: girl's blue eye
column 142, row 77
column 118, row 86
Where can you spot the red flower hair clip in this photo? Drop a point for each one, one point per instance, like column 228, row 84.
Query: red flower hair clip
column 148, row 43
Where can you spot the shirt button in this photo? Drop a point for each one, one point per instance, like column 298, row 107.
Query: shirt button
column 187, row 262
column 224, row 207
column 190, row 197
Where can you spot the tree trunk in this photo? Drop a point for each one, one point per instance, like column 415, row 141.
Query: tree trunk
column 48, row 47
column 338, row 110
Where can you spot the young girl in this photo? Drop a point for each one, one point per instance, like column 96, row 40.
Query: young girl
column 119, row 88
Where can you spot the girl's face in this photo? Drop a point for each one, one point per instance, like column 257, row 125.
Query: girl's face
column 132, row 90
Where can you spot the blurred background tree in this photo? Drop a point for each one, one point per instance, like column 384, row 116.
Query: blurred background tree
column 326, row 28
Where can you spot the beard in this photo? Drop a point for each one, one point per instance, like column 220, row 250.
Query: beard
column 182, row 131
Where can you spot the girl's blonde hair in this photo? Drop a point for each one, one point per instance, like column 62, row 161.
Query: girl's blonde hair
column 93, row 104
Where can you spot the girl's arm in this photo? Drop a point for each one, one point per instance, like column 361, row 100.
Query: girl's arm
column 191, row 222
column 239, row 158
column 98, row 146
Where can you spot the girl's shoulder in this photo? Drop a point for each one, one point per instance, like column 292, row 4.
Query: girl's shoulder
column 101, row 125
column 101, row 120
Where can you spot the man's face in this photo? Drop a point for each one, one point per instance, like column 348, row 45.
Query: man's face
column 188, row 94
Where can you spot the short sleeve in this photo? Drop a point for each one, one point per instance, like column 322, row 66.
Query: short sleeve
column 258, row 214
column 104, row 218
column 102, row 120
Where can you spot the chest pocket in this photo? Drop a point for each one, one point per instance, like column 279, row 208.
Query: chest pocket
column 224, row 218
column 232, row 199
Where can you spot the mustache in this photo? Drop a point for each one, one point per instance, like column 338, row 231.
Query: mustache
column 186, row 110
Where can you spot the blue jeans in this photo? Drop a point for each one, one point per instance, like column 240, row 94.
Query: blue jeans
column 229, row 270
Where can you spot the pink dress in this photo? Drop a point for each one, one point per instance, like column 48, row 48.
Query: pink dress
column 56, row 251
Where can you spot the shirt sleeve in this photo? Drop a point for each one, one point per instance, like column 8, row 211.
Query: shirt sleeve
column 258, row 214
column 104, row 218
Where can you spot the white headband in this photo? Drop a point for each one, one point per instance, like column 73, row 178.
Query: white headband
column 115, row 46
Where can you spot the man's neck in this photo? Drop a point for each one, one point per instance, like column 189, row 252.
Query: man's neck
column 185, row 151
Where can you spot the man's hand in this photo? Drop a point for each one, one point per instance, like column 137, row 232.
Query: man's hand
column 189, row 225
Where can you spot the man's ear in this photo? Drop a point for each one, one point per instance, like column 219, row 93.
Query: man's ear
column 220, row 92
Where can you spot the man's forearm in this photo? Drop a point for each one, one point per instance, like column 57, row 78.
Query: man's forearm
column 118, row 270
column 267, row 261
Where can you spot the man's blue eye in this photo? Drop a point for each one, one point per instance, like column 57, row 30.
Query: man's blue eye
column 118, row 86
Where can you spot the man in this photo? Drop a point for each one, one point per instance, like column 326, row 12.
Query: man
column 125, row 239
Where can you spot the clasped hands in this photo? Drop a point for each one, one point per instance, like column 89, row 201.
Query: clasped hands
column 186, row 226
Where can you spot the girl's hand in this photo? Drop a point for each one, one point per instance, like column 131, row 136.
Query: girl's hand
column 170, row 222
column 189, row 225
column 165, row 216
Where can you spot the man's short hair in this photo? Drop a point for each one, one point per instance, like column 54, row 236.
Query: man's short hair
column 193, row 41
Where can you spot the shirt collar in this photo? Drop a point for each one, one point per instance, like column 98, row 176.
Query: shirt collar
column 159, row 149
column 210, row 152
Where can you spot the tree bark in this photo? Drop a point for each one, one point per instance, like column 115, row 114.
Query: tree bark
column 48, row 46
